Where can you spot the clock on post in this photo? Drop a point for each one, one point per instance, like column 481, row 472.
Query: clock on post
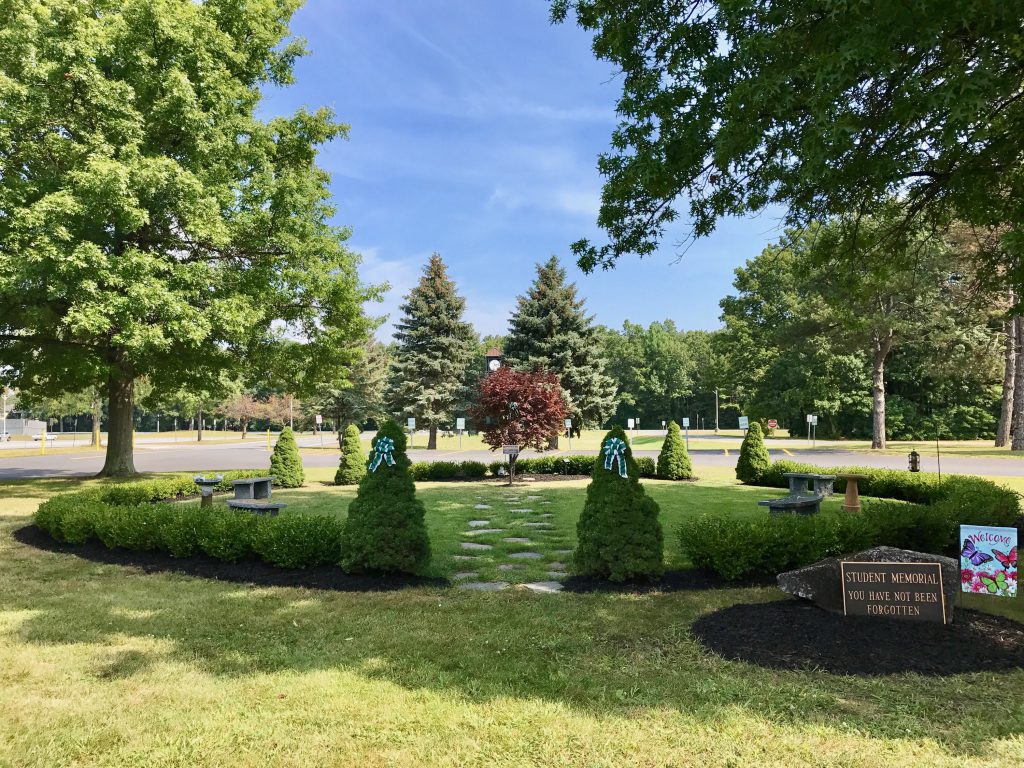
column 493, row 358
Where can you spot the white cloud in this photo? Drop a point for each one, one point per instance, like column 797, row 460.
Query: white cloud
column 400, row 275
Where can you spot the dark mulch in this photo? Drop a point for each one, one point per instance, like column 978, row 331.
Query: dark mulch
column 791, row 634
column 672, row 581
column 246, row 572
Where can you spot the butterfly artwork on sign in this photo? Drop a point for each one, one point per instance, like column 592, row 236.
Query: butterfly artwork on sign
column 988, row 560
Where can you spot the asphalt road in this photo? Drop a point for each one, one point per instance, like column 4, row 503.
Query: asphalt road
column 168, row 457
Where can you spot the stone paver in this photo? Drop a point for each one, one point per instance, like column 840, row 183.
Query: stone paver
column 556, row 566
column 533, row 498
column 557, row 574
column 482, row 531
column 517, row 540
column 482, row 506
column 563, row 551
column 538, row 525
column 479, row 523
column 474, row 546
column 465, row 557
column 547, row 514
column 465, row 575
column 544, row 586
column 511, row 567
column 520, row 511
column 526, row 555
column 483, row 586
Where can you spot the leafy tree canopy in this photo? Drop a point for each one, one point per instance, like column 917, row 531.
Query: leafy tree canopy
column 151, row 223
column 826, row 107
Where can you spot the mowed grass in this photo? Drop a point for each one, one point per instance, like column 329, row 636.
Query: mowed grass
column 108, row 666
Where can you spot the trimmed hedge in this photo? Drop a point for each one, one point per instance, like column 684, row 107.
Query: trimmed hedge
column 673, row 460
column 567, row 465
column 352, row 466
column 287, row 541
column 754, row 460
column 285, row 461
column 917, row 512
column 448, row 470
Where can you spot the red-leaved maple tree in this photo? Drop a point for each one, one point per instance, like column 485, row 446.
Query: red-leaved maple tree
column 519, row 408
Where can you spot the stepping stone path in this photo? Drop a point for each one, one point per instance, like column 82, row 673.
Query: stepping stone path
column 557, row 574
column 479, row 523
column 473, row 545
column 465, row 575
column 482, row 506
column 517, row 540
column 465, row 557
column 483, row 586
column 533, row 498
column 482, row 531
column 520, row 511
column 556, row 566
column 544, row 586
column 511, row 567
column 526, row 555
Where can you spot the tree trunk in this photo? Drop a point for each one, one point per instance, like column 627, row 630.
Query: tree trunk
column 432, row 440
column 882, row 346
column 120, row 461
column 199, row 427
column 1017, row 440
column 553, row 442
column 97, row 417
column 1009, row 378
column 245, row 427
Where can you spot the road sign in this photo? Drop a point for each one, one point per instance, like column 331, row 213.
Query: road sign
column 686, row 422
column 460, row 424
column 772, row 423
column 568, row 424
column 814, row 421
column 319, row 419
column 744, row 422
column 630, row 422
column 411, row 423
column 510, row 450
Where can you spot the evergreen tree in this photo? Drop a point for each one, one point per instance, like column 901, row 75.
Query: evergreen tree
column 754, row 460
column 619, row 534
column 674, row 460
column 434, row 347
column 384, row 530
column 551, row 330
column 353, row 462
column 285, row 462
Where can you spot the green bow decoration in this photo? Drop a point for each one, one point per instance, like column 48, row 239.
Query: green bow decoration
column 615, row 450
column 382, row 450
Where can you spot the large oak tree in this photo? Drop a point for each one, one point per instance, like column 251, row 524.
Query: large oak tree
column 150, row 223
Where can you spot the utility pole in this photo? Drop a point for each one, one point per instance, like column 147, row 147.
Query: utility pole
column 716, row 410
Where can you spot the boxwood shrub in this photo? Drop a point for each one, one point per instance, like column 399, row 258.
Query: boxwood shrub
column 123, row 516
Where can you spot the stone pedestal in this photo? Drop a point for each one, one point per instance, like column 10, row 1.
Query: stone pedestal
column 851, row 502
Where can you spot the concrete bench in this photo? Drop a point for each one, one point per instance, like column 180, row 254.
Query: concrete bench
column 802, row 483
column 259, row 507
column 253, row 488
column 801, row 505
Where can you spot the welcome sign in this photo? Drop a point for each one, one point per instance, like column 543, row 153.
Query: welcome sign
column 988, row 560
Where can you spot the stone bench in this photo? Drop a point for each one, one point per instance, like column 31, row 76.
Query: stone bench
column 253, row 488
column 801, row 505
column 802, row 483
column 259, row 507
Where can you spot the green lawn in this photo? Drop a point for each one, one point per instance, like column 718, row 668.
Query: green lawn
column 106, row 666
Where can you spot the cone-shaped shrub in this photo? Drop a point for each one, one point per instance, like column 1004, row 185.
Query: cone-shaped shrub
column 674, row 461
column 353, row 462
column 285, row 462
column 385, row 529
column 619, row 535
column 754, row 460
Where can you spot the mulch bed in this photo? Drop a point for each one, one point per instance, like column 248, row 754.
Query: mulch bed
column 246, row 572
column 794, row 635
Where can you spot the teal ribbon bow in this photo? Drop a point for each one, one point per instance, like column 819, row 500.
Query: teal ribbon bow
column 615, row 450
column 382, row 451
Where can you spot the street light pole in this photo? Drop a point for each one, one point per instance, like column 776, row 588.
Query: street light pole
column 716, row 410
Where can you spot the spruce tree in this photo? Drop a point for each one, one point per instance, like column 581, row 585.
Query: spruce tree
column 674, row 460
column 619, row 534
column 384, row 530
column 353, row 462
column 434, row 347
column 285, row 462
column 754, row 460
column 551, row 330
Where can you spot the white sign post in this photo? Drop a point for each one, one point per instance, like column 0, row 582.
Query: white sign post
column 686, row 431
column 410, row 423
column 568, row 431
column 460, row 425
column 512, row 451
column 319, row 427
column 744, row 423
column 812, row 428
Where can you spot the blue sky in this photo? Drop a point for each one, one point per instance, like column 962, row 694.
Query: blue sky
column 475, row 128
